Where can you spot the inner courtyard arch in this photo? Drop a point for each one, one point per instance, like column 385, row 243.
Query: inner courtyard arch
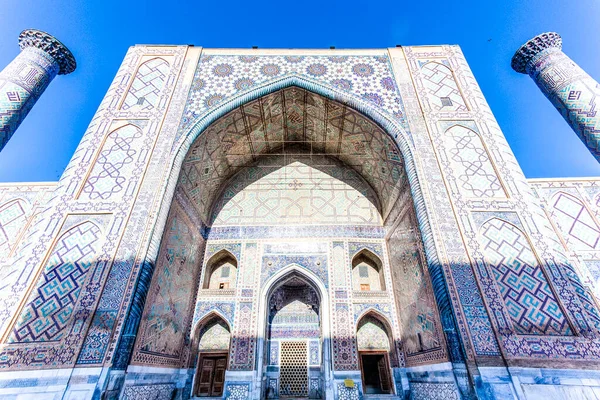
column 295, row 178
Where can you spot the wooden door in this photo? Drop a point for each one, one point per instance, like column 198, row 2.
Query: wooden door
column 219, row 376
column 384, row 374
column 206, row 370
column 210, row 378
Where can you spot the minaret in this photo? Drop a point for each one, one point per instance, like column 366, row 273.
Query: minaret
column 23, row 81
column 575, row 94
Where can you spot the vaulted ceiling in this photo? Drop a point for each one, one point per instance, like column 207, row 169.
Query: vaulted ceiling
column 280, row 122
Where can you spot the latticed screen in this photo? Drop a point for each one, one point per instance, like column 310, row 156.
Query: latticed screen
column 293, row 379
column 225, row 272
column 363, row 271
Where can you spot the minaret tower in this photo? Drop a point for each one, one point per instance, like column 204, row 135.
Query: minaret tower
column 574, row 93
column 23, row 81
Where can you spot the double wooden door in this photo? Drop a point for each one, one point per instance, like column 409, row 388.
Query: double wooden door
column 210, row 376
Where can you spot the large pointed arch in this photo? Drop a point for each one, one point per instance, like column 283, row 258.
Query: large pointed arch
column 390, row 126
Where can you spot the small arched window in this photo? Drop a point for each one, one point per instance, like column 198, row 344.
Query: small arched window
column 367, row 272
column 221, row 271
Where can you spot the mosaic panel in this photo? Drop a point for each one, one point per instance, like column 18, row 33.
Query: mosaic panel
column 345, row 393
column 443, row 92
column 244, row 338
column 274, row 352
column 578, row 227
column 166, row 318
column 144, row 92
column 345, row 356
column 314, row 350
column 471, row 163
column 528, row 299
column 338, row 264
column 433, row 391
column 237, row 391
column 412, row 289
column 221, row 76
column 55, row 297
column 295, row 191
column 214, row 335
column 316, row 264
column 148, row 392
column 114, row 164
column 225, row 309
column 372, row 335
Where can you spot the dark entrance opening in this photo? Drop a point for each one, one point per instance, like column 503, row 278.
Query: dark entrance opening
column 375, row 373
column 211, row 375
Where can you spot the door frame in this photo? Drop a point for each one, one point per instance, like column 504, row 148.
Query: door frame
column 386, row 357
column 201, row 356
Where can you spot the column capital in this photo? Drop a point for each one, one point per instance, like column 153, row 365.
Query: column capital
column 52, row 46
column 532, row 48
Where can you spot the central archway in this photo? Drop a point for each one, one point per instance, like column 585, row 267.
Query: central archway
column 272, row 139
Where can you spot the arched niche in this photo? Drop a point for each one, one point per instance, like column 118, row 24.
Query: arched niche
column 221, row 271
column 375, row 348
column 292, row 289
column 367, row 272
column 212, row 340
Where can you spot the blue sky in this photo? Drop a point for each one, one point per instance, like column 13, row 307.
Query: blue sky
column 489, row 32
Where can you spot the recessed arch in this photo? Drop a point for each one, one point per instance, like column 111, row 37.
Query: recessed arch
column 367, row 271
column 376, row 348
column 220, row 271
column 211, row 341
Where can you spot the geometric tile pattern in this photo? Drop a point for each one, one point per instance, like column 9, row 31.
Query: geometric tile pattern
column 115, row 161
column 372, row 335
column 261, row 195
column 471, row 163
column 13, row 216
column 528, row 298
column 444, row 94
column 51, row 305
column 145, row 89
column 219, row 77
column 345, row 357
column 275, row 122
column 575, row 222
column 214, row 336
column 433, row 391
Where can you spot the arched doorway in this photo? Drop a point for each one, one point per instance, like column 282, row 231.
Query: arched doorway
column 374, row 348
column 294, row 339
column 213, row 342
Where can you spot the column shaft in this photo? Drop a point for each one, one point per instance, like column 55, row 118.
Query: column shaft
column 21, row 84
column 574, row 93
column 23, row 81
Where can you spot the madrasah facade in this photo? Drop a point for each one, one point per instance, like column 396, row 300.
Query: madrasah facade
column 325, row 224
